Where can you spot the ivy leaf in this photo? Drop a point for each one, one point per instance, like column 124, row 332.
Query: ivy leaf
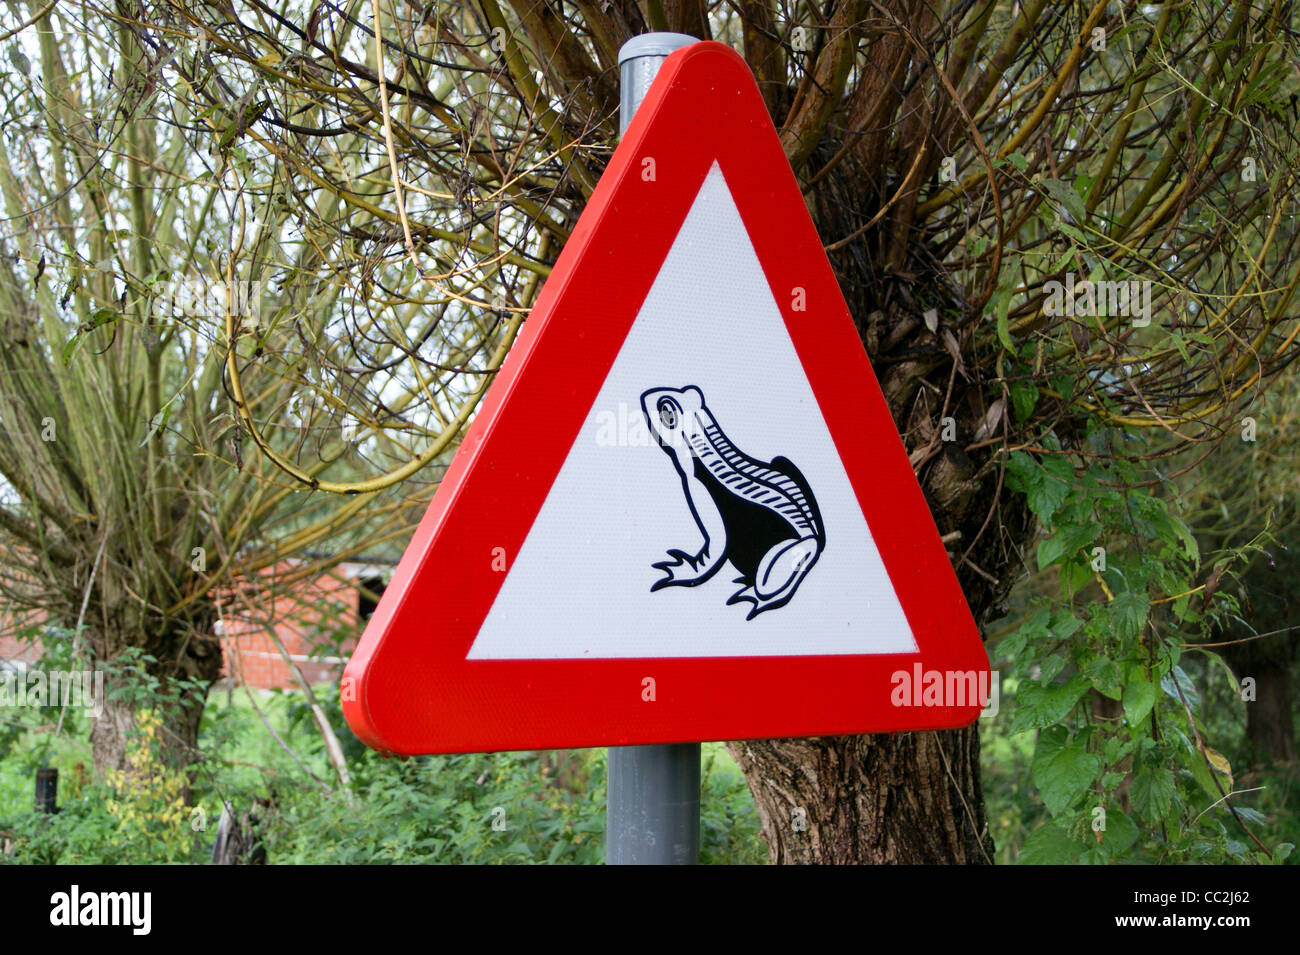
column 1062, row 770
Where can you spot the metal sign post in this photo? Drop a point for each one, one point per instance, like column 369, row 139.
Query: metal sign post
column 652, row 815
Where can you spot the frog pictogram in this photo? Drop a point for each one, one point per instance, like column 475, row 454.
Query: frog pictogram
column 762, row 517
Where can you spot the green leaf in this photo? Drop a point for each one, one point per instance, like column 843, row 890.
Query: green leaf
column 1065, row 194
column 1024, row 396
column 1111, row 781
column 1169, row 527
column 1153, row 793
column 1177, row 679
column 1022, row 471
column 1064, row 385
column 1066, row 625
column 1120, row 833
column 1038, row 706
column 70, row 348
column 1051, row 666
column 1105, row 676
column 1042, row 484
column 1115, row 748
column 101, row 316
column 1234, row 687
column 1177, row 339
column 1059, row 467
column 1062, row 770
column 1049, row 845
column 1011, row 645
column 1139, row 697
column 1066, row 542
column 1001, row 307
column 1129, row 612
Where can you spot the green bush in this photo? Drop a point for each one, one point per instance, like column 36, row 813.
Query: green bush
column 498, row 808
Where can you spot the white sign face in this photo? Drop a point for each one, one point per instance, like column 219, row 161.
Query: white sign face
column 703, row 510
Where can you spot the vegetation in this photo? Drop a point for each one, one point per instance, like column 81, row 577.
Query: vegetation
column 375, row 192
column 503, row 808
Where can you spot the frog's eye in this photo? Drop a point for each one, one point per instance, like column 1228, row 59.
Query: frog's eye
column 669, row 412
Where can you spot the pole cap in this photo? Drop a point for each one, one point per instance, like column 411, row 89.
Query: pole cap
column 653, row 44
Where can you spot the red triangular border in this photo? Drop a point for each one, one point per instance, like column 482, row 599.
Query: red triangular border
column 410, row 689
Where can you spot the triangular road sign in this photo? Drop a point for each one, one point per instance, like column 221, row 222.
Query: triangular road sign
column 683, row 511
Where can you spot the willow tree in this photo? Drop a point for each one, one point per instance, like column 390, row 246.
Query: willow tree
column 402, row 175
column 133, row 253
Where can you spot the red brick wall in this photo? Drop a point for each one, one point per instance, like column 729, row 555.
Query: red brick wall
column 298, row 611
column 307, row 616
column 12, row 648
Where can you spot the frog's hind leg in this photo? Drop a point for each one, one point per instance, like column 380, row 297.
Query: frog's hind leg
column 779, row 574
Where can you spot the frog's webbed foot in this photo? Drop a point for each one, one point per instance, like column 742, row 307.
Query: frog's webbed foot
column 779, row 574
column 685, row 570
column 747, row 594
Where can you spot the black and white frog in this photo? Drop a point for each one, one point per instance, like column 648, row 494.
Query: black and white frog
column 762, row 517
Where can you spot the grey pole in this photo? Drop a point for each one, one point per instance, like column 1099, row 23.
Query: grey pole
column 638, row 62
column 653, row 813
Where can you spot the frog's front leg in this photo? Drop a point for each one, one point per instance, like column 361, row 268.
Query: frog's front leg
column 688, row 570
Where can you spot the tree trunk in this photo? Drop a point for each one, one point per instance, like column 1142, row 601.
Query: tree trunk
column 110, row 732
column 1270, row 722
column 903, row 798
column 187, row 664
